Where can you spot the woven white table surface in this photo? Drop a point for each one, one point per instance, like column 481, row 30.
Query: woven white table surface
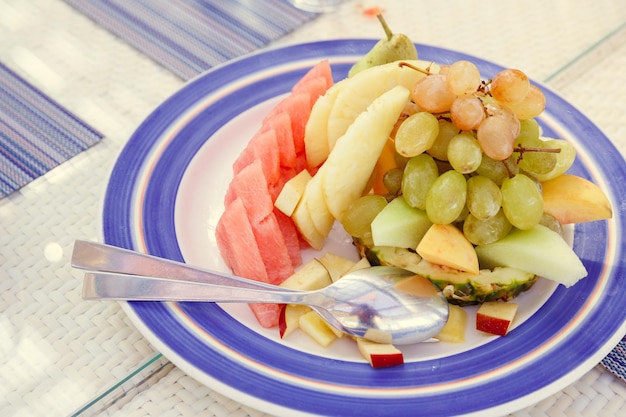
column 57, row 352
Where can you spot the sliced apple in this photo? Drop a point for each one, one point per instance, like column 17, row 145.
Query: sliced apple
column 360, row 91
column 336, row 265
column 454, row 330
column 444, row 244
column 290, row 318
column 302, row 220
column 495, row 317
column 313, row 325
column 361, row 264
column 539, row 250
column 352, row 160
column 399, row 225
column 311, row 276
column 316, row 130
column 313, row 199
column 380, row 355
column 572, row 199
column 292, row 192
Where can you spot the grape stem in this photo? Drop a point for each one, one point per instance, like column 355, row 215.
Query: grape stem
column 521, row 150
column 418, row 69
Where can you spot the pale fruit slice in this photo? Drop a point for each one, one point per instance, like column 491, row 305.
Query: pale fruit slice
column 400, row 225
column 495, row 317
column 316, row 131
column 292, row 192
column 303, row 222
column 444, row 244
column 312, row 276
column 313, row 325
column 336, row 265
column 380, row 355
column 539, row 250
column 572, row 199
column 290, row 318
column 350, row 163
column 358, row 92
column 454, row 330
column 313, row 199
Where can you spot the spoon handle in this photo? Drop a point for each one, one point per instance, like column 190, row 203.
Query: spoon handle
column 111, row 286
column 100, row 257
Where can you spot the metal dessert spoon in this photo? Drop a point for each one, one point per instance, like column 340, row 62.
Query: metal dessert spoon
column 382, row 304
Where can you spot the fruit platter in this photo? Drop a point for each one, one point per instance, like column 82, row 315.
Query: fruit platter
column 184, row 184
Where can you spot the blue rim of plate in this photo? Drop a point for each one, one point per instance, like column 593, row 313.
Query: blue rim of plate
column 573, row 330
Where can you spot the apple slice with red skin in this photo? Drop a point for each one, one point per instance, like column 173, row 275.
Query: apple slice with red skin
column 495, row 317
column 380, row 355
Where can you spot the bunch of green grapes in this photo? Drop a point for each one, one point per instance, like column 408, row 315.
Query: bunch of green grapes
column 472, row 154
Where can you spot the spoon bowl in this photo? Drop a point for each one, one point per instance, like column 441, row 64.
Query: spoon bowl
column 383, row 304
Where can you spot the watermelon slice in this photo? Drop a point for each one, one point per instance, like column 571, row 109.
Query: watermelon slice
column 315, row 87
column 321, row 70
column 298, row 106
column 290, row 234
column 273, row 249
column 250, row 186
column 281, row 124
column 267, row 315
column 236, row 243
column 264, row 147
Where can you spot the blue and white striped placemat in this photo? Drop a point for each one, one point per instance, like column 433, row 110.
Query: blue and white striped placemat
column 616, row 360
column 36, row 133
column 190, row 36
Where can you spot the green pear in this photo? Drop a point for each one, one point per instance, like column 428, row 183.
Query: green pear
column 394, row 47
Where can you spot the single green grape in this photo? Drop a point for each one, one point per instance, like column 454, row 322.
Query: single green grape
column 416, row 134
column 419, row 174
column 484, row 197
column 521, row 201
column 392, row 180
column 497, row 171
column 445, row 199
column 439, row 148
column 464, row 153
column 484, row 231
column 358, row 217
column 534, row 156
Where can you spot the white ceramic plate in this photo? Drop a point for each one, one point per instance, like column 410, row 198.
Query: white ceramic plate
column 165, row 196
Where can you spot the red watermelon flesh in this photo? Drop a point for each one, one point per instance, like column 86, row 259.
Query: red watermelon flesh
column 281, row 124
column 321, row 70
column 315, row 87
column 273, row 249
column 267, row 315
column 250, row 186
column 290, row 234
column 237, row 244
column 298, row 106
column 263, row 146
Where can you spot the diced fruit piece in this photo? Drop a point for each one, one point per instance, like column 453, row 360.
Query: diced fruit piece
column 454, row 330
column 361, row 264
column 462, row 288
column 316, row 131
column 495, row 317
column 400, row 225
column 313, row 325
column 344, row 180
column 539, row 250
column 290, row 318
column 572, row 199
column 336, row 265
column 312, row 276
column 360, row 91
column 302, row 219
column 444, row 244
column 380, row 355
column 291, row 192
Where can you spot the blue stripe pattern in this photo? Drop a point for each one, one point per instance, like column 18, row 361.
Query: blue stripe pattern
column 191, row 36
column 36, row 133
